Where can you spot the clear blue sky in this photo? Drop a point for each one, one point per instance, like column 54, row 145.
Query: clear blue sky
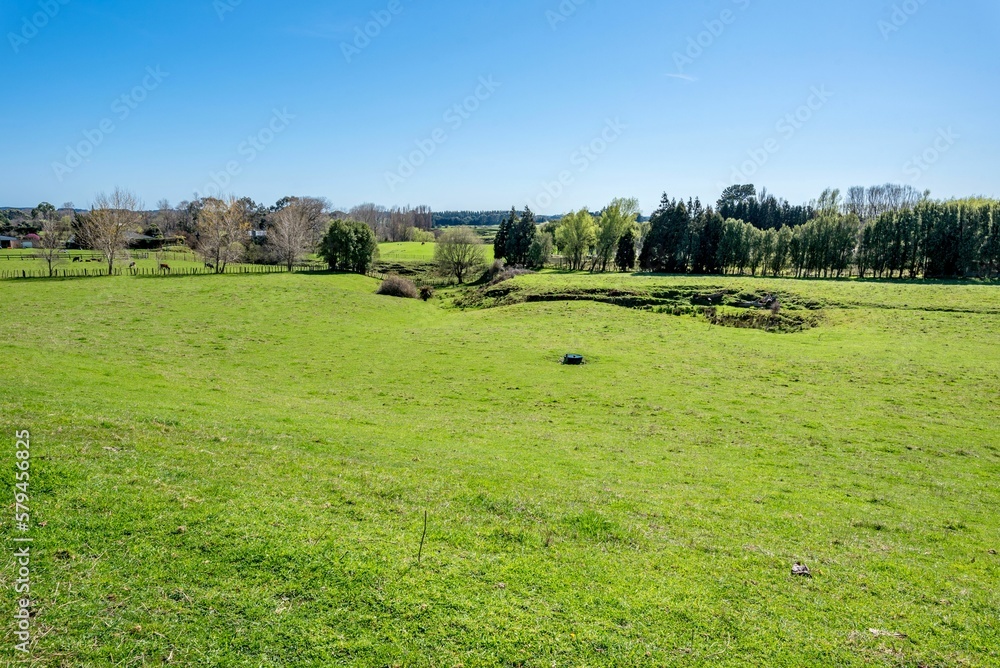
column 681, row 128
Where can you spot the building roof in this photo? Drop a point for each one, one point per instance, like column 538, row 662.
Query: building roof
column 8, row 238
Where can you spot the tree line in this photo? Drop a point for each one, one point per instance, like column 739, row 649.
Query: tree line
column 889, row 238
column 477, row 218
column 885, row 231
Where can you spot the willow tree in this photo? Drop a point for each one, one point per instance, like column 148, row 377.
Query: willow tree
column 617, row 218
column 575, row 236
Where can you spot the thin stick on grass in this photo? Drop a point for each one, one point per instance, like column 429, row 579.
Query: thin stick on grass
column 420, row 552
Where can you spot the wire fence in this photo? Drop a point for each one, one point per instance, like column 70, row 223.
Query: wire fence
column 163, row 271
column 84, row 256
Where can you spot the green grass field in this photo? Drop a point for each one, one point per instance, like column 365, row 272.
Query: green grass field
column 24, row 259
column 234, row 471
column 407, row 251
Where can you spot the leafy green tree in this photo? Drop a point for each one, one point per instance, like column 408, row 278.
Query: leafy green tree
column 625, row 256
column 349, row 246
column 504, row 234
column 540, row 251
column 522, row 233
column 991, row 244
column 617, row 218
column 575, row 236
column 668, row 241
column 458, row 252
column 782, row 249
column 708, row 234
column 735, row 195
column 43, row 211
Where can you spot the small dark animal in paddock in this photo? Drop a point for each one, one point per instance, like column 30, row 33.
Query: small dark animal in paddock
column 131, row 265
column 209, row 265
column 165, row 267
column 78, row 259
column 94, row 259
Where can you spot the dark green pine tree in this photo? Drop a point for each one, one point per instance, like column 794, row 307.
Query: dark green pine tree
column 521, row 235
column 625, row 257
column 502, row 240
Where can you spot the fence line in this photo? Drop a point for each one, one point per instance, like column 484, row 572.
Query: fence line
column 151, row 272
column 32, row 254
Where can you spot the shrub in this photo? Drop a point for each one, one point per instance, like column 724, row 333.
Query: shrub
column 419, row 235
column 349, row 246
column 509, row 273
column 540, row 251
column 426, row 292
column 495, row 269
column 397, row 286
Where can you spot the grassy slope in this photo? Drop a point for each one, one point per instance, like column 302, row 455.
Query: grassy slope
column 239, row 466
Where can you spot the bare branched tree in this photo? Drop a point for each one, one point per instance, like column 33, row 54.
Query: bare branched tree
column 870, row 203
column 394, row 224
column 315, row 214
column 292, row 233
column 223, row 231
column 107, row 227
column 52, row 241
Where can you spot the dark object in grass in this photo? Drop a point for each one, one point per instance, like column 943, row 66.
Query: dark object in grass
column 709, row 300
column 765, row 302
column 426, row 292
column 396, row 286
column 420, row 552
column 801, row 569
column 573, row 360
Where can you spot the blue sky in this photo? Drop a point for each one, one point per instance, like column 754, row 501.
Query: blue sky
column 559, row 104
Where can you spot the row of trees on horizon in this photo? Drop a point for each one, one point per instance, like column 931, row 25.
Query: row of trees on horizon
column 883, row 231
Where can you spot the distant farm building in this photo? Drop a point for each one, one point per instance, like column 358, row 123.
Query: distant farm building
column 9, row 242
